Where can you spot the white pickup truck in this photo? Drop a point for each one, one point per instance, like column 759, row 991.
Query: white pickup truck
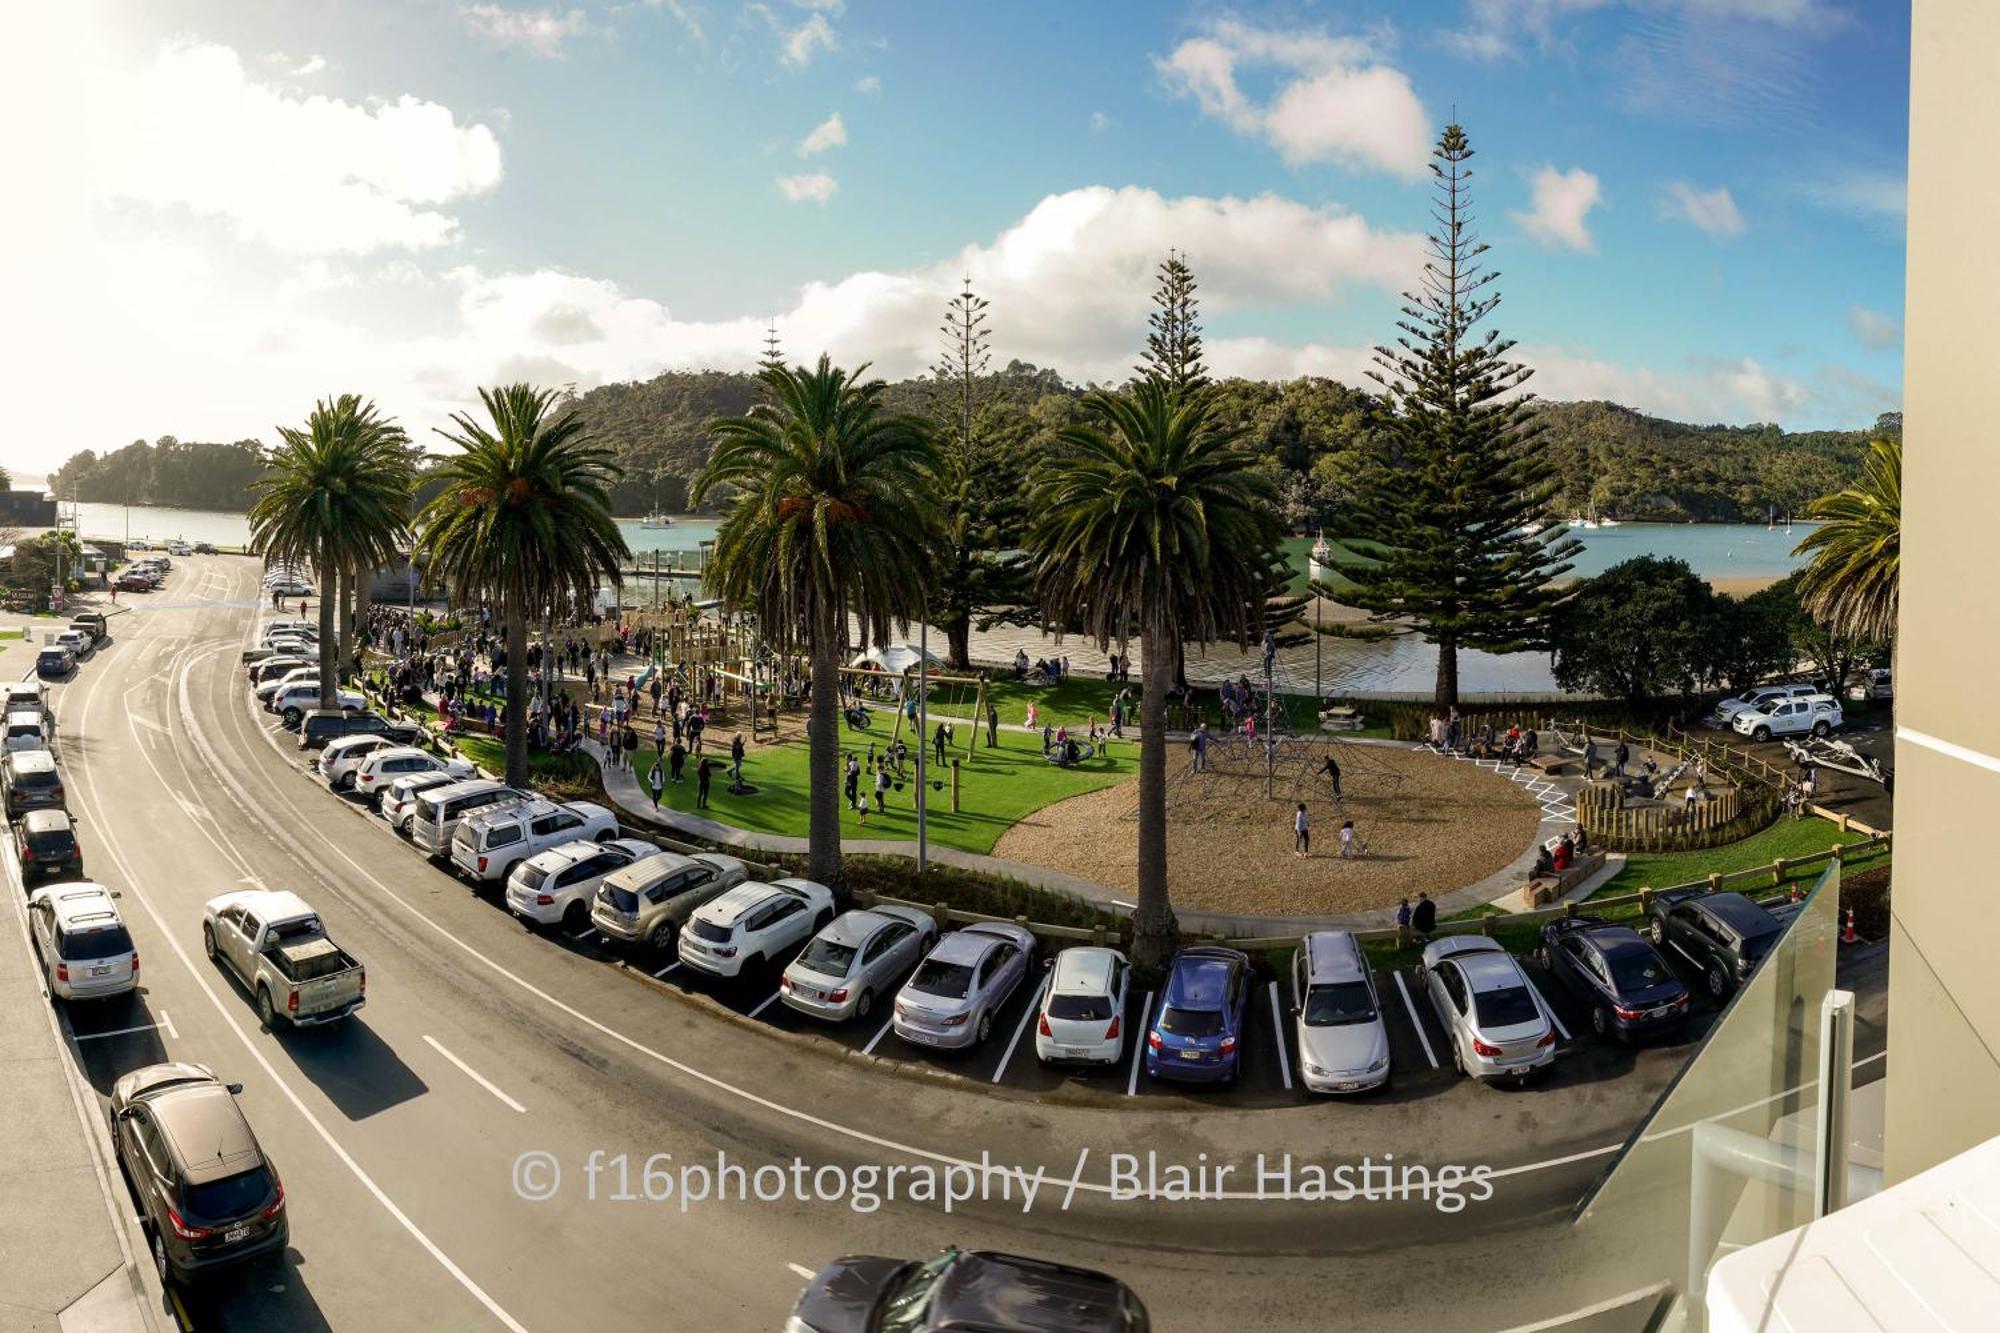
column 276, row 946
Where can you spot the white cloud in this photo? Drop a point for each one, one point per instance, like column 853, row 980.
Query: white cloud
column 829, row 133
column 307, row 175
column 802, row 43
column 1561, row 204
column 1714, row 211
column 310, row 65
column 868, row 85
column 834, row 7
column 1339, row 103
column 817, row 187
column 1865, row 193
column 1494, row 29
column 540, row 32
column 1873, row 329
column 1099, row 122
column 687, row 17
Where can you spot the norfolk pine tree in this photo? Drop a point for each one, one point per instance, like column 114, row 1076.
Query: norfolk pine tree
column 1441, row 514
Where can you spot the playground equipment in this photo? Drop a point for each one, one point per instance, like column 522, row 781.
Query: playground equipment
column 1240, row 773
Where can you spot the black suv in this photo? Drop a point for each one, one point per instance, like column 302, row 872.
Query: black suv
column 864, row 1293
column 322, row 725
column 1725, row 935
column 55, row 663
column 1629, row 988
column 45, row 843
column 207, row 1194
column 30, row 782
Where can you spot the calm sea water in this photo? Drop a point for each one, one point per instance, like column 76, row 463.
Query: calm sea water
column 1714, row 551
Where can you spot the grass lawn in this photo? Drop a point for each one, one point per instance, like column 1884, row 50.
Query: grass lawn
column 997, row 788
column 1788, row 838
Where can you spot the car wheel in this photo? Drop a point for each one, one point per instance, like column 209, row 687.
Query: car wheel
column 573, row 916
column 1457, row 1058
column 291, row 718
column 985, row 1025
column 163, row 1265
column 1599, row 1023
column 663, row 936
column 1657, row 930
column 1820, row 729
column 267, row 1011
column 863, row 1005
column 208, row 941
column 1761, row 734
column 1718, row 982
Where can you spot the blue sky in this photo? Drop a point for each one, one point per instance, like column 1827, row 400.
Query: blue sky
column 1696, row 204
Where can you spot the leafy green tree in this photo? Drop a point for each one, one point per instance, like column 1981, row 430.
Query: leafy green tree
column 1857, row 548
column 1832, row 653
column 523, row 522
column 335, row 494
column 832, row 513
column 1754, row 636
column 1641, row 629
column 1173, row 342
column 1149, row 523
column 1444, row 512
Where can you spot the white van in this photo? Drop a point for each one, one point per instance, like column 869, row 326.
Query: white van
column 438, row 811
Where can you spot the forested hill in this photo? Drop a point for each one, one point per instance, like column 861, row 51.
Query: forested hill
column 1309, row 433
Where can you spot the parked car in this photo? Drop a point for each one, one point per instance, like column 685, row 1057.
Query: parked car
column 341, row 762
column 964, row 1289
column 435, row 819
column 1872, row 683
column 94, row 622
column 1726, row 711
column 208, row 1195
column 1337, row 1015
column 375, row 771
column 278, row 949
column 1197, row 1036
column 951, row 999
column 1082, row 1017
column 31, row 694
column 649, row 901
column 487, row 845
column 753, row 922
column 77, row 641
column 275, row 668
column 45, row 845
column 856, row 957
column 294, row 701
column 268, row 688
column 28, row 729
column 1723, row 935
column 138, row 544
column 31, row 782
column 1493, row 1024
column 55, row 663
column 290, row 625
column 399, row 803
column 204, row 548
column 85, row 950
column 320, row 726
column 133, row 580
column 1628, row 988
column 292, row 588
column 91, row 631
column 179, row 548
column 557, row 885
column 1816, row 713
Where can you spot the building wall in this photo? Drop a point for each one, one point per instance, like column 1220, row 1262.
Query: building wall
column 1944, row 969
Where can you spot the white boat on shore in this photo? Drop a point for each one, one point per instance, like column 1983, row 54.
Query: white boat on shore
column 656, row 519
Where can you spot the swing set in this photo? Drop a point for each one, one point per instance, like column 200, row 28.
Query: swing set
column 904, row 689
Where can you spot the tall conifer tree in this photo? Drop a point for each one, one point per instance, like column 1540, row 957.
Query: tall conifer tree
column 1449, row 515
column 1173, row 340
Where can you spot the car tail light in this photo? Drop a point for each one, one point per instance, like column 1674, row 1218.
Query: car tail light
column 839, row 996
column 955, row 1021
column 277, row 1204
column 135, row 962
column 482, row 865
column 1629, row 1015
column 363, row 990
column 725, row 953
column 544, row 900
column 62, row 971
column 1228, row 1045
column 1682, row 1000
column 27, row 854
column 56, row 790
column 1042, row 1026
column 1112, row 1031
column 292, row 1002
column 1548, row 1039
column 1481, row 1048
column 184, row 1231
column 367, row 777
column 1153, row 1040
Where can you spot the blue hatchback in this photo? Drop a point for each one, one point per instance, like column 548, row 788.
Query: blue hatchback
column 1197, row 1037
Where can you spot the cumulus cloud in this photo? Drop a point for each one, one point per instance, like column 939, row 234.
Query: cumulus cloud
column 829, row 133
column 1558, row 211
column 868, row 85
column 1873, row 329
column 1337, row 101
column 799, row 45
column 540, row 32
column 1714, row 211
column 1099, row 122
column 816, row 187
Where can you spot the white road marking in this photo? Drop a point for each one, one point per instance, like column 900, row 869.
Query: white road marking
column 472, row 1073
column 126, row 1032
column 769, row 1000
column 1034, row 1008
column 873, row 1041
column 1416, row 1022
column 1139, row 1043
column 1278, row 1026
column 1546, row 1008
column 802, row 1271
column 585, row 933
column 668, row 968
column 148, row 722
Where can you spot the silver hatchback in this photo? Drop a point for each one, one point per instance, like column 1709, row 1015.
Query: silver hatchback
column 859, row 956
column 1343, row 1043
column 952, row 999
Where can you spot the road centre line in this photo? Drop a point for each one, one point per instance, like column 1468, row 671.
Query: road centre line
column 472, row 1073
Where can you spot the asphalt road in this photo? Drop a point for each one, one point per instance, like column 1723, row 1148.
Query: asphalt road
column 398, row 1133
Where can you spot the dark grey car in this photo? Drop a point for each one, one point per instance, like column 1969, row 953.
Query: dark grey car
column 969, row 1289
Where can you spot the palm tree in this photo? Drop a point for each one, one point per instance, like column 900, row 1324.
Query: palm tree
column 1150, row 520
column 523, row 522
column 335, row 495
column 832, row 513
column 1857, row 549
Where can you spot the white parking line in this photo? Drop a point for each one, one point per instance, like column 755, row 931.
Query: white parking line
column 1416, row 1022
column 585, row 933
column 887, row 1023
column 472, row 1073
column 668, row 968
column 802, row 1271
column 1278, row 1026
column 1034, row 1008
column 1139, row 1043
column 126, row 1032
column 769, row 1000
column 1546, row 1007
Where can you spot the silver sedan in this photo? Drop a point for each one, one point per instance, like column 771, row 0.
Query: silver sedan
column 859, row 956
column 1493, row 1019
column 952, row 999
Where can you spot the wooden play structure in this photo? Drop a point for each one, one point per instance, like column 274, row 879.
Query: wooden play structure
column 896, row 687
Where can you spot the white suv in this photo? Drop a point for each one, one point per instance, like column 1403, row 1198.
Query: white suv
column 1727, row 710
column 374, row 771
column 754, row 921
column 84, row 947
column 291, row 702
column 1815, row 713
column 487, row 845
column 398, row 800
column 558, row 885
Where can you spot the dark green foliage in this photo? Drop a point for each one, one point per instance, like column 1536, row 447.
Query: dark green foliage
column 1442, row 510
column 1173, row 342
column 170, row 472
column 1641, row 629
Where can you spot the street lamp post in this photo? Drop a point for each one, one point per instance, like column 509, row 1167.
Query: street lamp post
column 923, row 732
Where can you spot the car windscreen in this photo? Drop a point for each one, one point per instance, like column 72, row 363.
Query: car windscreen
column 951, row 981
column 829, row 957
column 713, row 933
column 83, row 945
column 1639, row 971
column 55, row 842
column 1336, row 1004
column 229, row 1197
column 1510, row 1006
column 1080, row 1008
column 44, row 778
column 1191, row 1022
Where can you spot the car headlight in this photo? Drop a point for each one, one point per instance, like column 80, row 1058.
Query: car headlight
column 1314, row 1070
column 1377, row 1066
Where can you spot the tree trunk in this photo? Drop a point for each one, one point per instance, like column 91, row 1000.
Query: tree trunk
column 1154, row 930
column 958, row 643
column 823, row 790
column 517, row 697
column 1447, row 677
column 364, row 601
column 346, row 653
column 329, row 651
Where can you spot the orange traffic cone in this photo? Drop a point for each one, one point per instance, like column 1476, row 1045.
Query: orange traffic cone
column 1847, row 935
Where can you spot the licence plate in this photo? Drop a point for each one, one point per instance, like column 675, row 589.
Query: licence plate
column 1190, row 1055
column 234, row 1234
column 808, row 993
column 1075, row 1052
column 100, row 971
column 1346, row 1087
column 1662, row 1011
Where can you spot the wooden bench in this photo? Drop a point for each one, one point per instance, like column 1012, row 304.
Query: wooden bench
column 1552, row 764
column 1545, row 889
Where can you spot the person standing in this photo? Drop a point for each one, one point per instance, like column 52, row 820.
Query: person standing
column 631, row 748
column 659, row 737
column 1619, row 758
column 1589, row 757
column 939, row 739
column 702, row 777
column 677, row 759
column 853, row 784
column 1424, row 919
column 881, row 787
column 1347, row 840
column 1403, row 919
column 658, row 784
column 736, row 761
column 1301, row 833
column 992, row 726
column 1198, row 743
